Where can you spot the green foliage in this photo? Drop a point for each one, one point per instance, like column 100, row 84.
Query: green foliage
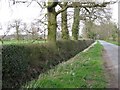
column 106, row 31
column 22, row 63
column 15, row 63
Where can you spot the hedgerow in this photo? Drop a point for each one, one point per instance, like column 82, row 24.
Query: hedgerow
column 22, row 63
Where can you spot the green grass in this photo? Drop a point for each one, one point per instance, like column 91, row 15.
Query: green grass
column 114, row 42
column 85, row 70
column 7, row 42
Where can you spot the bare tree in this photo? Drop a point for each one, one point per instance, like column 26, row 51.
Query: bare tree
column 52, row 14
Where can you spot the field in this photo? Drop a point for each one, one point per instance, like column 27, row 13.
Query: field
column 6, row 42
column 85, row 70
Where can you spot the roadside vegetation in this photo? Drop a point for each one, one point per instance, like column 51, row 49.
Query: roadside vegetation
column 114, row 42
column 26, row 62
column 85, row 70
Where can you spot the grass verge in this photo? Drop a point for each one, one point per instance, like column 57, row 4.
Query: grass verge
column 85, row 70
column 114, row 42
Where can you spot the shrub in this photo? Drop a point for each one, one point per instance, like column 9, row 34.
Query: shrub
column 22, row 63
column 14, row 64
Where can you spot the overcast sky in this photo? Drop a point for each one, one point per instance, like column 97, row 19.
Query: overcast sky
column 28, row 14
column 115, row 12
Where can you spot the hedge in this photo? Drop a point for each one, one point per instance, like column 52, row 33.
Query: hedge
column 22, row 63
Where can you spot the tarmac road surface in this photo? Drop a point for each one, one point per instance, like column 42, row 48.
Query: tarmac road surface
column 112, row 59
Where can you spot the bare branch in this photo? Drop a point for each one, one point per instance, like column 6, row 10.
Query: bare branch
column 85, row 5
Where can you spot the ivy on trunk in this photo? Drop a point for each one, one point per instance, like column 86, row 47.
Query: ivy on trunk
column 65, row 32
column 75, row 26
column 52, row 21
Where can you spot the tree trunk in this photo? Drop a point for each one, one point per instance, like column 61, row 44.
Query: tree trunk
column 52, row 26
column 52, row 21
column 65, row 32
column 89, row 32
column 17, row 32
column 76, row 21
